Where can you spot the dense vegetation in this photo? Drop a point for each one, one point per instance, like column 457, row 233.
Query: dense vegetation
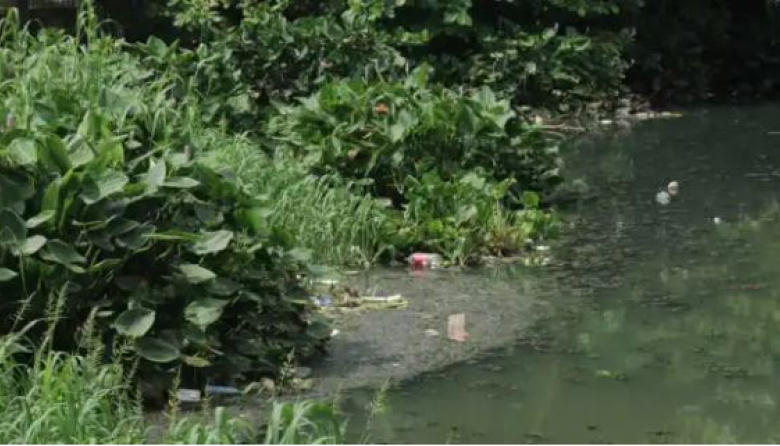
column 176, row 191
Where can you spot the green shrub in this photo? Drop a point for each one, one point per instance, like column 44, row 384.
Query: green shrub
column 281, row 57
column 103, row 206
column 561, row 55
column 388, row 131
column 566, row 71
column 467, row 218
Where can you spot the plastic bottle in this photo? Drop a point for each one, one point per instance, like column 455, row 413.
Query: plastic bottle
column 422, row 260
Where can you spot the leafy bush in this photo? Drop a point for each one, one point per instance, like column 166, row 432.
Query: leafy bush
column 104, row 207
column 466, row 218
column 388, row 131
column 281, row 58
column 208, row 72
column 561, row 55
column 567, row 71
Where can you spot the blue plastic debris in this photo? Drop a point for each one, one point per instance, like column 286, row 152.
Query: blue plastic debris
column 322, row 301
column 222, row 390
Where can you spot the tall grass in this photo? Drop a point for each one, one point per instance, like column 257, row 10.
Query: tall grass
column 61, row 398
column 335, row 219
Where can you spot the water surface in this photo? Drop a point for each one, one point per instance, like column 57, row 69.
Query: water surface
column 666, row 325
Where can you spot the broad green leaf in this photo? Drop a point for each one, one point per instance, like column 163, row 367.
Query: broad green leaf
column 135, row 238
column 12, row 227
column 104, row 184
column 22, row 152
column 397, row 132
column 134, row 322
column 196, row 361
column 60, row 252
column 40, row 219
column 7, row 274
column 111, row 152
column 419, row 77
column 223, row 287
column 15, row 186
column 175, row 235
column 51, row 197
column 157, row 350
column 204, row 311
column 104, row 264
column 212, row 242
column 30, row 246
column 121, row 226
column 195, row 335
column 88, row 126
column 196, row 274
column 181, row 183
column 54, row 153
column 79, row 152
column 156, row 175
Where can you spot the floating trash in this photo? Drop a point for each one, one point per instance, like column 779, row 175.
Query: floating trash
column 382, row 299
column 327, row 282
column 663, row 198
column 188, row 396
column 222, row 390
column 322, row 301
column 673, row 188
column 421, row 260
column 456, row 327
column 717, row 220
column 431, row 332
column 382, row 302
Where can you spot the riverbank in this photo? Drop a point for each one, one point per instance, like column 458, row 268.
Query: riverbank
column 396, row 344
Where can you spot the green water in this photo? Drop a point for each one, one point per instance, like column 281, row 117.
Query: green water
column 666, row 325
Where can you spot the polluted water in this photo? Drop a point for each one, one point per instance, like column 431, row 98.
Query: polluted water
column 656, row 333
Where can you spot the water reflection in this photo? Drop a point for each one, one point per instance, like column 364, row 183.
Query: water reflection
column 667, row 325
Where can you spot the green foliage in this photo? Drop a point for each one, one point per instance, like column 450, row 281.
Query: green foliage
column 388, row 131
column 337, row 221
column 467, row 217
column 281, row 58
column 560, row 55
column 448, row 159
column 103, row 206
column 64, row 399
column 565, row 70
column 304, row 423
